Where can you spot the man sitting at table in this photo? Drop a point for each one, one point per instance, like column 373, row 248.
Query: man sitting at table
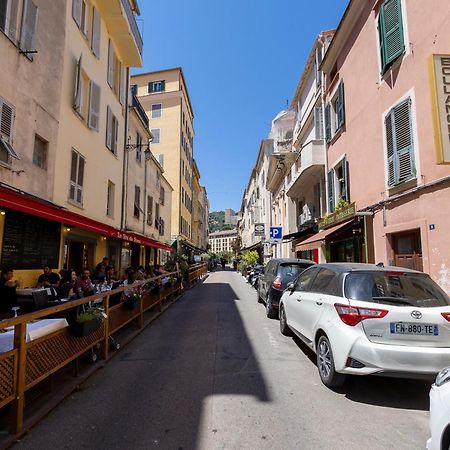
column 84, row 286
column 48, row 279
column 8, row 296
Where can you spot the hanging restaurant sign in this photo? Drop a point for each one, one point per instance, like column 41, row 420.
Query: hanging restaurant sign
column 439, row 70
column 347, row 212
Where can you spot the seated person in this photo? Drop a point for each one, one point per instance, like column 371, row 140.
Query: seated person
column 83, row 285
column 100, row 270
column 8, row 296
column 110, row 277
column 67, row 285
column 48, row 279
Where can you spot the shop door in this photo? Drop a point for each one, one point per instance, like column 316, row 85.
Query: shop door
column 75, row 256
column 135, row 255
column 408, row 250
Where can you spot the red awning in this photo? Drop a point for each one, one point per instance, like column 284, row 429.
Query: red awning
column 21, row 201
column 318, row 239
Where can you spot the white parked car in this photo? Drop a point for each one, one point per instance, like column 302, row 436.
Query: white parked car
column 440, row 412
column 362, row 319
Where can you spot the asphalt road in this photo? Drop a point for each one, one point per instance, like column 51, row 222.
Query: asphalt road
column 214, row 373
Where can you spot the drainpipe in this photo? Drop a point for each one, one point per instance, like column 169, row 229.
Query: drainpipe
column 123, row 217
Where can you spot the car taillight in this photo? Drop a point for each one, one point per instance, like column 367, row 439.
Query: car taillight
column 277, row 283
column 446, row 316
column 352, row 315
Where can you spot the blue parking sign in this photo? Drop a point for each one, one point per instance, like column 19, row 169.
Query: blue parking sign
column 276, row 233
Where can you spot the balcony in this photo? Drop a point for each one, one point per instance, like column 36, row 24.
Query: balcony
column 136, row 104
column 123, row 29
column 309, row 168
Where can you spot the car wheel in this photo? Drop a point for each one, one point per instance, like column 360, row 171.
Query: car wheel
column 271, row 312
column 325, row 364
column 284, row 328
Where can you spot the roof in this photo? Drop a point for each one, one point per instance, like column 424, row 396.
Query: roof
column 355, row 267
column 220, row 233
column 292, row 261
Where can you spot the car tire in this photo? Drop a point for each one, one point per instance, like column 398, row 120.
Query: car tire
column 284, row 328
column 271, row 312
column 325, row 364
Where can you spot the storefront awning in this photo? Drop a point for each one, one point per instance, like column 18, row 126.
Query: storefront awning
column 35, row 206
column 316, row 240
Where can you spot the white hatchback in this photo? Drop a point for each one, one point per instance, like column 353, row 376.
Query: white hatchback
column 363, row 319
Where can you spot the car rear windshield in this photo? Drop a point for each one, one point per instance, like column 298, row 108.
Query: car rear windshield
column 291, row 270
column 395, row 288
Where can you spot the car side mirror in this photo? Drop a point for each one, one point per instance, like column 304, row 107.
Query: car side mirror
column 291, row 287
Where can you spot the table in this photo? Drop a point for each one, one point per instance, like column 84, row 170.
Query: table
column 35, row 330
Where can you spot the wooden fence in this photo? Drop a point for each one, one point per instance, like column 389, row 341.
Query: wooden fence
column 29, row 363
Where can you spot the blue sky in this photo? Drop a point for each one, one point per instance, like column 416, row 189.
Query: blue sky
column 242, row 60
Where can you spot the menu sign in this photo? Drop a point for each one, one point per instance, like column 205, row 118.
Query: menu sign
column 30, row 242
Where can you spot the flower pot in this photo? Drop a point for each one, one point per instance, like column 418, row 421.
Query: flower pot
column 132, row 303
column 85, row 328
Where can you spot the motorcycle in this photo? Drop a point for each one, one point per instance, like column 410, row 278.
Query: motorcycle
column 254, row 275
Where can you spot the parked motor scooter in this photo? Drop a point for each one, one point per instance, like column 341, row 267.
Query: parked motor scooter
column 254, row 275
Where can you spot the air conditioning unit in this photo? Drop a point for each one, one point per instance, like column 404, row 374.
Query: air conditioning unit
column 307, row 215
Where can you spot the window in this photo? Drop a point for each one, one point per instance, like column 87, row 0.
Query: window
column 6, row 132
column 318, row 122
column 110, row 199
column 149, row 210
column 134, row 89
column 317, row 66
column 156, row 133
column 390, row 29
column 76, row 178
column 138, row 148
column 322, row 281
column 335, row 113
column 78, row 102
column 112, row 127
column 156, row 86
column 137, row 201
column 338, row 184
column 162, row 196
column 304, row 280
column 27, row 41
column 156, row 215
column 399, row 144
column 156, row 110
column 40, row 152
column 79, row 14
column 8, row 18
column 96, row 31
column 94, row 106
column 111, row 57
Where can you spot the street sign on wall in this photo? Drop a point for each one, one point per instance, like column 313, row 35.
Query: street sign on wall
column 276, row 234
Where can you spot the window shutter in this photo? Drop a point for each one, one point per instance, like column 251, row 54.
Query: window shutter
column 150, row 87
column 163, row 85
column 391, row 32
column 80, row 180
column 29, row 23
column 341, row 107
column 109, row 128
column 345, row 194
column 123, row 84
column 76, row 11
column 328, row 123
column 318, row 63
column 96, row 32
column 318, row 122
column 11, row 21
column 110, row 64
column 78, row 100
column 116, row 134
column 388, row 121
column 94, row 106
column 6, row 121
column 330, row 191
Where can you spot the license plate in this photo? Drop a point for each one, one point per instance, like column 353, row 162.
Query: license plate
column 414, row 328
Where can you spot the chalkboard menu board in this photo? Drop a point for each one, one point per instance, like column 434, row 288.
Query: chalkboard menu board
column 30, row 242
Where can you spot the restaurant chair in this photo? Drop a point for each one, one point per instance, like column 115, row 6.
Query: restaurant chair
column 40, row 299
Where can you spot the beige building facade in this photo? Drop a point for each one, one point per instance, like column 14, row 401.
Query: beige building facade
column 221, row 241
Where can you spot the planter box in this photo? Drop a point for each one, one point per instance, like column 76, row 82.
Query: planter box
column 132, row 303
column 85, row 328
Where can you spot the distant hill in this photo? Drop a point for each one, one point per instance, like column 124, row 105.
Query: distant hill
column 216, row 222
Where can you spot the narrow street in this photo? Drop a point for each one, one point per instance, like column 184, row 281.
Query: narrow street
column 214, row 373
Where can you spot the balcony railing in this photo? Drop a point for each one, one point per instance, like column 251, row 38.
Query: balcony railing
column 133, row 25
column 136, row 104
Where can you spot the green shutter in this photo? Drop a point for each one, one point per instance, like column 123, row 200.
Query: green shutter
column 134, row 89
column 399, row 143
column 345, row 194
column 328, row 123
column 391, row 32
column 163, row 85
column 340, row 105
column 150, row 87
column 330, row 191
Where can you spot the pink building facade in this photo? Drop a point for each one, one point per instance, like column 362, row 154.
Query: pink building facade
column 385, row 131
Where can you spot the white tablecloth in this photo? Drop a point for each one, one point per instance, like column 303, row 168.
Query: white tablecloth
column 35, row 330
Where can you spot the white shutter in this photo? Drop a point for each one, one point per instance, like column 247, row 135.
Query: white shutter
column 96, row 31
column 76, row 12
column 29, row 22
column 94, row 106
column 78, row 98
column 116, row 134
column 109, row 128
column 6, row 121
column 110, row 64
column 318, row 122
column 11, row 21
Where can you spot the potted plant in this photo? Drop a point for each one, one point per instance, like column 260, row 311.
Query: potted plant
column 133, row 301
column 87, row 321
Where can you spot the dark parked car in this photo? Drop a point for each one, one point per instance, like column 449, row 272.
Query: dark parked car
column 277, row 274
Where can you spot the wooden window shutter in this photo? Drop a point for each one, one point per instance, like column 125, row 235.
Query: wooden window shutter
column 391, row 32
column 150, row 87
column 76, row 11
column 116, row 134
column 163, row 85
column 96, row 32
column 6, row 121
column 123, row 84
column 29, row 24
column 341, row 106
column 94, row 106
column 390, row 146
column 328, row 123
column 345, row 194
column 330, row 176
column 318, row 122
column 109, row 128
column 78, row 99
column 110, row 64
